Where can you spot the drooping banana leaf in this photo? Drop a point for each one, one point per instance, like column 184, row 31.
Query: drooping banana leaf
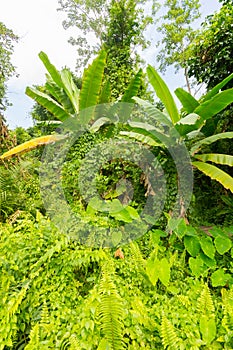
column 189, row 103
column 150, row 131
column 30, row 145
column 224, row 159
column 216, row 89
column 153, row 112
column 163, row 93
column 49, row 103
column 142, row 138
column 215, row 174
column 211, row 139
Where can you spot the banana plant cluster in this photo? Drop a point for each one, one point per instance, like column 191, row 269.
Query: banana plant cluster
column 64, row 100
column 188, row 125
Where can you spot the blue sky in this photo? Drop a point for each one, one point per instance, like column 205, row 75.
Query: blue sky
column 39, row 26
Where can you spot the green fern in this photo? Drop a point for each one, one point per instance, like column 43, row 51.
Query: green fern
column 227, row 298
column 170, row 339
column 74, row 345
column 34, row 338
column 136, row 257
column 205, row 303
column 110, row 310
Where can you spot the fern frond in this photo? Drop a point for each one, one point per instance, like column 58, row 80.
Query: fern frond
column 184, row 300
column 170, row 339
column 15, row 302
column 44, row 314
column 136, row 256
column 74, row 344
column 227, row 298
column 205, row 303
column 34, row 338
column 110, row 310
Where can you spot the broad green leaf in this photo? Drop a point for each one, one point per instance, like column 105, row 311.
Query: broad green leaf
column 189, row 119
column 59, row 95
column 189, row 103
column 152, row 269
column 190, row 231
column 122, row 215
column 215, row 105
column 55, row 74
column 99, row 122
column 215, row 174
column 133, row 87
column 150, row 131
column 208, row 261
column 71, row 89
column 142, row 138
column 163, row 93
column 216, row 158
column 220, row 278
column 105, row 94
column 156, row 235
column 133, row 213
column 197, row 267
column 188, row 124
column 153, row 112
column 222, row 244
column 115, row 206
column 207, row 328
column 49, row 103
column 216, row 89
column 192, row 245
column 207, row 246
column 211, row 139
column 164, row 271
column 91, row 83
column 116, row 237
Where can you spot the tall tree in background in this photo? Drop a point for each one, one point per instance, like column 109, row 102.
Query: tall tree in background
column 177, row 34
column 92, row 19
column 7, row 70
column 212, row 51
column 123, row 34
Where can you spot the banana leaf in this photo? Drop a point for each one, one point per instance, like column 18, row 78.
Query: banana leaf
column 30, row 145
column 215, row 174
column 211, row 139
column 91, row 83
column 133, row 87
column 189, row 103
column 224, row 159
column 216, row 89
column 49, row 103
column 215, row 105
column 163, row 93
column 51, row 69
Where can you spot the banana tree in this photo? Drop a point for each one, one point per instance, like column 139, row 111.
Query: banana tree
column 186, row 126
column 65, row 101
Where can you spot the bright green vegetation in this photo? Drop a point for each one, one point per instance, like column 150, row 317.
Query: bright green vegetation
column 114, row 275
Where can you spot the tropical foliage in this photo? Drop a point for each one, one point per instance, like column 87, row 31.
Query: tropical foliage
column 100, row 244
